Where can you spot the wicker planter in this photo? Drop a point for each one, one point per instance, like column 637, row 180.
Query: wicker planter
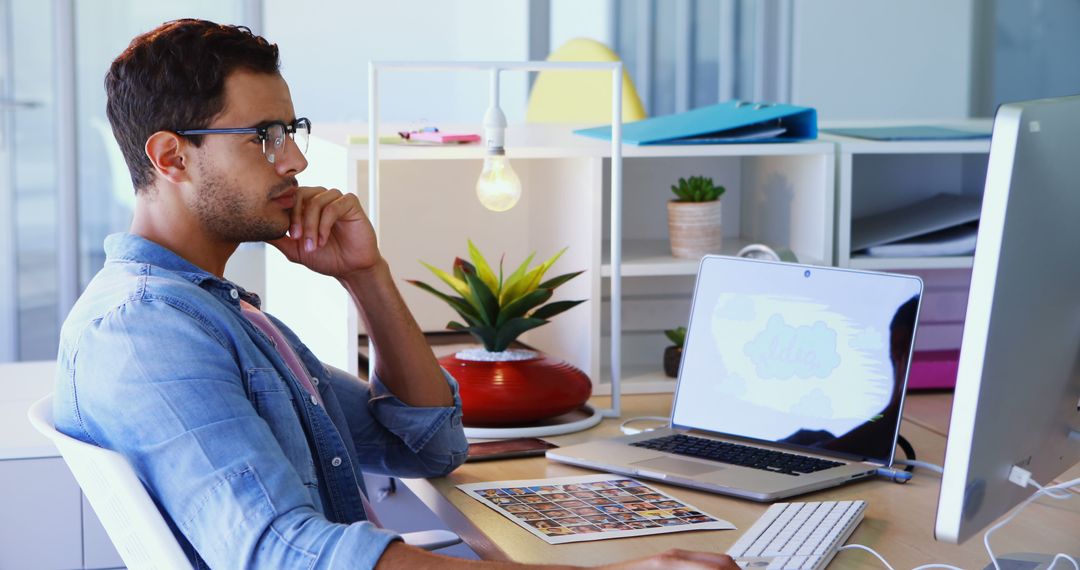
column 694, row 228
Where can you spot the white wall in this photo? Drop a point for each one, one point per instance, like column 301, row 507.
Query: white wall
column 326, row 47
column 582, row 19
column 873, row 59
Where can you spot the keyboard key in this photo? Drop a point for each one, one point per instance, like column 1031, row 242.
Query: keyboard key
column 737, row 454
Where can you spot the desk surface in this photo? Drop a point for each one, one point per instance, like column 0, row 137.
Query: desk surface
column 898, row 523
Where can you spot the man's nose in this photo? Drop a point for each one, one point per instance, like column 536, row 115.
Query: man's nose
column 290, row 161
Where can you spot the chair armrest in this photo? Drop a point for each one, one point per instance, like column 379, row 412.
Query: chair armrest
column 431, row 539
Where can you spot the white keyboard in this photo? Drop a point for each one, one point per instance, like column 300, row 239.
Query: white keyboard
column 798, row 536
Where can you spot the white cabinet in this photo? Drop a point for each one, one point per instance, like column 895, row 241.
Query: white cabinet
column 777, row 194
column 45, row 522
column 41, row 519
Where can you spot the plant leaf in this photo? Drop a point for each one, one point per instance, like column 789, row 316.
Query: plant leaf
column 537, row 273
column 556, row 281
column 456, row 284
column 461, row 306
column 509, row 286
column 481, row 296
column 552, row 309
column 483, row 270
column 512, row 329
column 522, row 305
column 485, row 334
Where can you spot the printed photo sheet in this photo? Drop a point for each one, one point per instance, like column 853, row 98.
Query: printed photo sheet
column 590, row 507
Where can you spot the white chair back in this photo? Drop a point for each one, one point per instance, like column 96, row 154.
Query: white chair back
column 129, row 515
column 127, row 512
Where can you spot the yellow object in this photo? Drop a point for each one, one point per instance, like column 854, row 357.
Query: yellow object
column 580, row 96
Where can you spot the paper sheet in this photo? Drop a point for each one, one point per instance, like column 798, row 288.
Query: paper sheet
column 590, row 507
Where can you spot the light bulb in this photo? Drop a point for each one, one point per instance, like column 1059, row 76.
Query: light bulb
column 498, row 187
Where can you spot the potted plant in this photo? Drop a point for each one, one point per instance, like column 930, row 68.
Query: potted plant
column 694, row 217
column 673, row 353
column 500, row 385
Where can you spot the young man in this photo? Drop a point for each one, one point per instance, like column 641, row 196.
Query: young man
column 252, row 448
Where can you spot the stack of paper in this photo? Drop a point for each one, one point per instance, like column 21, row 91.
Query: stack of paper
column 945, row 224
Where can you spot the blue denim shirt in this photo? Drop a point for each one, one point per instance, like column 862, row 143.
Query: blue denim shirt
column 157, row 362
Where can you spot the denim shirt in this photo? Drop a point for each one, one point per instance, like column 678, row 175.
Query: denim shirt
column 157, row 362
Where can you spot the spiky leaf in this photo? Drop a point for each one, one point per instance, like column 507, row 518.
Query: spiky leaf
column 483, row 270
column 522, row 305
column 460, row 305
column 556, row 281
column 511, row 286
column 552, row 309
column 481, row 296
column 456, row 284
column 512, row 329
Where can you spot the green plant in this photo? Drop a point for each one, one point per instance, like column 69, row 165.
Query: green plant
column 497, row 310
column 697, row 189
column 677, row 336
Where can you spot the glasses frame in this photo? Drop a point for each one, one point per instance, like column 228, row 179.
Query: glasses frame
column 262, row 132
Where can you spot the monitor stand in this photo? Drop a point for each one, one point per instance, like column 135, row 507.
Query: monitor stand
column 1022, row 561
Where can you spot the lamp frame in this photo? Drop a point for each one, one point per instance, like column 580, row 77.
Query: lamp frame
column 495, row 68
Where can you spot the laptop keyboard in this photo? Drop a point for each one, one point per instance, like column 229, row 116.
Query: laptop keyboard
column 735, row 454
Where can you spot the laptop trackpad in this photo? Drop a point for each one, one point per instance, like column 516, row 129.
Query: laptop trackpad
column 677, row 466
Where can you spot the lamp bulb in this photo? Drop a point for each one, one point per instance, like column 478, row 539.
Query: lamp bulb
column 498, row 187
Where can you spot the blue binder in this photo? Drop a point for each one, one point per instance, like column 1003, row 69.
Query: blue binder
column 728, row 122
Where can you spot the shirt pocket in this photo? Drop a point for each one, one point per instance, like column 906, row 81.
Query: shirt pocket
column 274, row 403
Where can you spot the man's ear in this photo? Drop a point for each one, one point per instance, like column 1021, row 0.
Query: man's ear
column 166, row 152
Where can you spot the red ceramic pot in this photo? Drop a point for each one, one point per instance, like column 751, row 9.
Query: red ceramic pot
column 517, row 392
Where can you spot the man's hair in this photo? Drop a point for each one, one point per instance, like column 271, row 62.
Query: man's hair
column 173, row 78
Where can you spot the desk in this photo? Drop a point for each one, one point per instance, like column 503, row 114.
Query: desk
column 899, row 518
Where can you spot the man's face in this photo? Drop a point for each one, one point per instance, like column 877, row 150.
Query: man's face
column 237, row 194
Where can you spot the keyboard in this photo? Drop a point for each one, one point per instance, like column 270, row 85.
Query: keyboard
column 735, row 454
column 798, row 536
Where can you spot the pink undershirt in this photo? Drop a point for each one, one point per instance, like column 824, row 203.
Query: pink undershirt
column 258, row 318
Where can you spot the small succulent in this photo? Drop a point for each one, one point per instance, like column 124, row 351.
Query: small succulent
column 677, row 336
column 697, row 189
column 497, row 310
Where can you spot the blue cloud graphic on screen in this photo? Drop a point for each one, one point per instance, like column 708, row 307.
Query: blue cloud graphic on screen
column 782, row 351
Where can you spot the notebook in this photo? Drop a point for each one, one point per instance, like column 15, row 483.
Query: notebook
column 792, row 380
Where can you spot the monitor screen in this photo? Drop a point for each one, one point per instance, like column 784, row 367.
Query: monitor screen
column 798, row 355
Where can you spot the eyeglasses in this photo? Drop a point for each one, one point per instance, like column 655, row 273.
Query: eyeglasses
column 272, row 135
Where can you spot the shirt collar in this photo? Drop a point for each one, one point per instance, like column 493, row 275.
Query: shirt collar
column 137, row 249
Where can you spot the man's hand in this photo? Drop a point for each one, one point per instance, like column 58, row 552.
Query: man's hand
column 329, row 233
column 676, row 559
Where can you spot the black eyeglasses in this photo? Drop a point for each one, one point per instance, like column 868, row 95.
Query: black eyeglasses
column 273, row 133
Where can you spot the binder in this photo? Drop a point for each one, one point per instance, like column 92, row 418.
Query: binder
column 728, row 122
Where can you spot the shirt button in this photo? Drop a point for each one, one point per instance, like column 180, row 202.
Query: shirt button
column 315, row 381
column 336, row 462
column 314, row 400
column 234, row 293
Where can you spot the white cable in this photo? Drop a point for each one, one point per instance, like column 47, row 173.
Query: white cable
column 920, row 464
column 868, row 549
column 631, row 431
column 1048, row 490
column 1041, row 491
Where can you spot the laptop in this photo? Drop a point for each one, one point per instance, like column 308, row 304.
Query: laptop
column 792, row 380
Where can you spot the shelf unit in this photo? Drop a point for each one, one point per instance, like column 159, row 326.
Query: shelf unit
column 879, row 176
column 779, row 194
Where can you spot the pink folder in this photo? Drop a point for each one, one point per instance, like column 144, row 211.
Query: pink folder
column 441, row 137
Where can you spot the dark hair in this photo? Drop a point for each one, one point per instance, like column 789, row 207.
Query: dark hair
column 173, row 77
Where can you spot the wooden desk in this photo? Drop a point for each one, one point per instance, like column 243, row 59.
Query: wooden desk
column 899, row 519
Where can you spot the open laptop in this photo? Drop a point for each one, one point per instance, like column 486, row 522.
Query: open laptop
column 792, row 380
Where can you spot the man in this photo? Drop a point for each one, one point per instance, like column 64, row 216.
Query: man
column 252, row 448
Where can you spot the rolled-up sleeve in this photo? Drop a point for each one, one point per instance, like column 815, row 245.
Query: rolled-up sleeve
column 394, row 438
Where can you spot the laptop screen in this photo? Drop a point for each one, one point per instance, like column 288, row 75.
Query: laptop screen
column 798, row 355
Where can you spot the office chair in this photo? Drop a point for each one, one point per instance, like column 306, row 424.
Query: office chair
column 580, row 96
column 130, row 517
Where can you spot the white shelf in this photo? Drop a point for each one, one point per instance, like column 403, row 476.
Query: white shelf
column 652, row 257
column 867, row 146
column 909, row 263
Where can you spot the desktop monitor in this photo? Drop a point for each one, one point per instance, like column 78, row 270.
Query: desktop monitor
column 1017, row 398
